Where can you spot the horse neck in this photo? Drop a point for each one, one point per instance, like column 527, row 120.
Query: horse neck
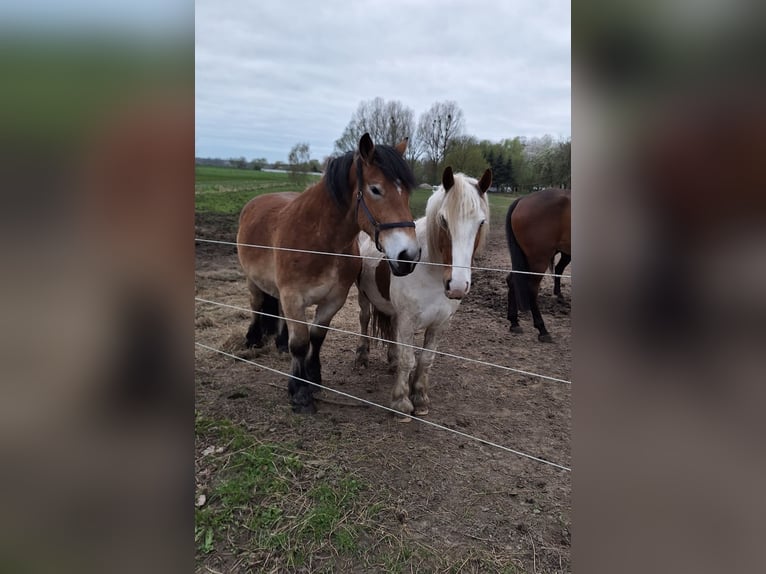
column 341, row 226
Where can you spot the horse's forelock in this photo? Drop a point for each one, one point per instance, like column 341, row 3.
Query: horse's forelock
column 394, row 166
column 462, row 198
column 386, row 158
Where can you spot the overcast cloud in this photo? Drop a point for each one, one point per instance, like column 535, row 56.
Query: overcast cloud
column 272, row 74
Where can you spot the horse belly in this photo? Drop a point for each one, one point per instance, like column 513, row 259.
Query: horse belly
column 369, row 286
column 257, row 227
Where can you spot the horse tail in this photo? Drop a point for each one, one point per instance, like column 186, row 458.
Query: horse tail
column 383, row 326
column 518, row 263
column 270, row 325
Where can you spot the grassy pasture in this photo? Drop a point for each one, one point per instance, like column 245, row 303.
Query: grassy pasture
column 226, row 190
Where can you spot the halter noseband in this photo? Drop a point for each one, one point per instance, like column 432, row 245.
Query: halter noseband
column 360, row 201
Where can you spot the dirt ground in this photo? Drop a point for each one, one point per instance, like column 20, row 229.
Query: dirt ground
column 455, row 493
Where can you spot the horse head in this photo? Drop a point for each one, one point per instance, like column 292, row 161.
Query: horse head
column 457, row 222
column 383, row 182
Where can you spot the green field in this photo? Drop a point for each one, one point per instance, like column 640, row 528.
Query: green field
column 226, row 190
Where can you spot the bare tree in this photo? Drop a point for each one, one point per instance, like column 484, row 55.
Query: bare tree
column 386, row 122
column 437, row 128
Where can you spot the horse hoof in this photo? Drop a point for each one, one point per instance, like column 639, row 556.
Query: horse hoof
column 361, row 362
column 403, row 419
column 516, row 329
column 420, row 412
column 253, row 344
column 308, row 409
column 545, row 338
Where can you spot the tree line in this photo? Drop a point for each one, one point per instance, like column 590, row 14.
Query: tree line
column 436, row 139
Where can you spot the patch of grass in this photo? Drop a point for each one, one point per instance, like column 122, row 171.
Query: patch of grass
column 274, row 507
column 264, row 501
column 227, row 190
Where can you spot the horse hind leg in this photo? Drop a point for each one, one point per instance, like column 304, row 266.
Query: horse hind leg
column 282, row 338
column 564, row 260
column 363, row 350
column 513, row 310
column 544, row 336
column 254, row 335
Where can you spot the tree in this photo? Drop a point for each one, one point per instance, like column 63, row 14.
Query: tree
column 238, row 162
column 499, row 159
column 386, row 122
column 299, row 158
column 258, row 163
column 437, row 128
column 464, row 154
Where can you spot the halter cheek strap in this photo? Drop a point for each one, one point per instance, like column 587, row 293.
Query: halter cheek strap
column 360, row 201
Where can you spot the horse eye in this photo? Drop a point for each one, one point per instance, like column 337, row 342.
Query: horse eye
column 443, row 221
column 482, row 222
column 375, row 190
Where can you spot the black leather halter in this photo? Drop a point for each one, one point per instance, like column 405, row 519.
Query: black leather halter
column 360, row 201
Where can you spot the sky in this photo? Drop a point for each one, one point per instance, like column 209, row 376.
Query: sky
column 270, row 74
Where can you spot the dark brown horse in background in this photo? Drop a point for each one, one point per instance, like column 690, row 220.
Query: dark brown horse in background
column 537, row 227
column 367, row 189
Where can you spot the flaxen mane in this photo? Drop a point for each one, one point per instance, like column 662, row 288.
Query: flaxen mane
column 462, row 199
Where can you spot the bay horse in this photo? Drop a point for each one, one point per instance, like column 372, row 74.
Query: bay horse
column 367, row 189
column 537, row 226
column 453, row 230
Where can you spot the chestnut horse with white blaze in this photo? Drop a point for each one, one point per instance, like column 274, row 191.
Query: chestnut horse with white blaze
column 452, row 232
column 367, row 189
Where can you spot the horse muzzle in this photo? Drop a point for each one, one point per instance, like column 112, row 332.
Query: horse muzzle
column 405, row 262
column 453, row 291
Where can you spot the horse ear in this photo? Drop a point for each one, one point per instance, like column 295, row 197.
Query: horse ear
column 366, row 148
column 485, row 181
column 448, row 178
column 401, row 147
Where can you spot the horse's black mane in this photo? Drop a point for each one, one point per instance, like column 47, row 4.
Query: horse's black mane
column 390, row 162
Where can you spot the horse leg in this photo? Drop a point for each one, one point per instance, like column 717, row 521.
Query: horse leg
column 392, row 352
column 400, row 395
column 326, row 310
column 513, row 310
column 560, row 266
column 282, row 338
column 363, row 350
column 537, row 318
column 419, row 386
column 254, row 336
column 300, row 391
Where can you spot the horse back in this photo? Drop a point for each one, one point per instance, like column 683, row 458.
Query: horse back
column 541, row 223
column 258, row 226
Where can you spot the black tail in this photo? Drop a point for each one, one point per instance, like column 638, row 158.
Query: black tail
column 518, row 263
column 270, row 325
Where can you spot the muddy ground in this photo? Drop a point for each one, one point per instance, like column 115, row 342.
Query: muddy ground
column 456, row 494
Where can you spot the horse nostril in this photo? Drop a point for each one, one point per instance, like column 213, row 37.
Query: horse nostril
column 404, row 256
